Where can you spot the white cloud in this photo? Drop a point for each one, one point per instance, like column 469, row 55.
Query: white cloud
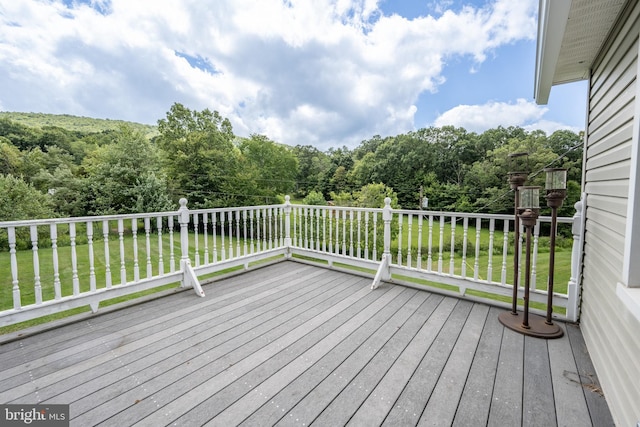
column 478, row 118
column 323, row 72
column 549, row 127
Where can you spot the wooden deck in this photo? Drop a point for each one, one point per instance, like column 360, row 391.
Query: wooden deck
column 294, row 344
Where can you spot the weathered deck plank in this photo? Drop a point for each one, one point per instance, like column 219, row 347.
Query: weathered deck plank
column 538, row 406
column 598, row 409
column 506, row 402
column 475, row 401
column 293, row 344
column 571, row 407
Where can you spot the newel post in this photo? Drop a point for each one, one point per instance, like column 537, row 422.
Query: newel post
column 183, row 220
column 287, row 225
column 387, row 216
column 573, row 288
column 384, row 273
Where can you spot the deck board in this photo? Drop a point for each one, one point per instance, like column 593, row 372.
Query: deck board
column 538, row 406
column 473, row 408
column 294, row 344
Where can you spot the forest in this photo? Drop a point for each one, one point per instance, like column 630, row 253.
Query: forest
column 59, row 166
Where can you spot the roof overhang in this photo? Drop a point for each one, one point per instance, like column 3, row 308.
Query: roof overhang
column 571, row 33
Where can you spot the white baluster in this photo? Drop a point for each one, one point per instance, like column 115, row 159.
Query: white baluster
column 244, row 232
column 465, row 236
column 505, row 246
column 453, row 246
column 476, row 264
column 172, row 257
column 230, row 225
column 324, row 230
column 419, row 254
column 399, row 261
column 215, row 236
column 375, row 237
column 520, row 249
column 223, row 247
column 92, row 268
column 344, row 232
column 492, row 227
column 430, row 245
column 196, row 239
column 366, row 235
column 409, row 239
column 310, row 242
column 351, row 233
column 441, row 248
column 258, row 238
column 294, row 238
column 264, row 230
column 57, row 288
column 318, row 241
column 304, row 221
column 283, row 232
column 147, row 236
column 136, row 265
column 331, row 214
column 123, row 267
column 74, row 260
column 251, row 229
column 11, row 232
column 205, row 226
column 237, row 215
column 534, row 260
column 337, row 232
column 160, row 258
column 359, row 244
column 36, row 264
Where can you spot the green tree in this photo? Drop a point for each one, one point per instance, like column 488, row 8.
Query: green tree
column 10, row 158
column 373, row 195
column 200, row 159
column 20, row 200
column 123, row 177
column 314, row 198
column 274, row 167
column 70, row 194
column 313, row 166
column 488, row 179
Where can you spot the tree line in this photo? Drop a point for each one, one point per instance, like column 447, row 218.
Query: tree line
column 51, row 171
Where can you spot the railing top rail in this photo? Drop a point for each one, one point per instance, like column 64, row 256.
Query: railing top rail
column 67, row 220
column 337, row 208
column 80, row 219
column 434, row 213
column 475, row 215
column 236, row 208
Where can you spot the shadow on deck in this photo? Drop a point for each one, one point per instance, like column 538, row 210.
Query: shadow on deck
column 294, row 344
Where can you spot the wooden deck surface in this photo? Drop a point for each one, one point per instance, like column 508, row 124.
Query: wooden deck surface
column 294, row 344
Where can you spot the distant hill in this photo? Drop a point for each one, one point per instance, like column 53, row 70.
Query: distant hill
column 75, row 123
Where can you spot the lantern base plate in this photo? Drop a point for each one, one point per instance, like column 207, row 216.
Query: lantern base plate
column 538, row 326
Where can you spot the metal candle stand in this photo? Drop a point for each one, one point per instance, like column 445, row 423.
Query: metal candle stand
column 527, row 211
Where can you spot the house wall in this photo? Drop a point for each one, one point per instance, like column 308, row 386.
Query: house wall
column 611, row 332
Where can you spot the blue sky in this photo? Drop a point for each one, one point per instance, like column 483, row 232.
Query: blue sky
column 327, row 73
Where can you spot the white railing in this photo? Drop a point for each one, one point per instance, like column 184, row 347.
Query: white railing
column 54, row 265
column 471, row 253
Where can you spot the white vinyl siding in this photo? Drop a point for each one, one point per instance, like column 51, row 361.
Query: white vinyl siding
column 612, row 333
